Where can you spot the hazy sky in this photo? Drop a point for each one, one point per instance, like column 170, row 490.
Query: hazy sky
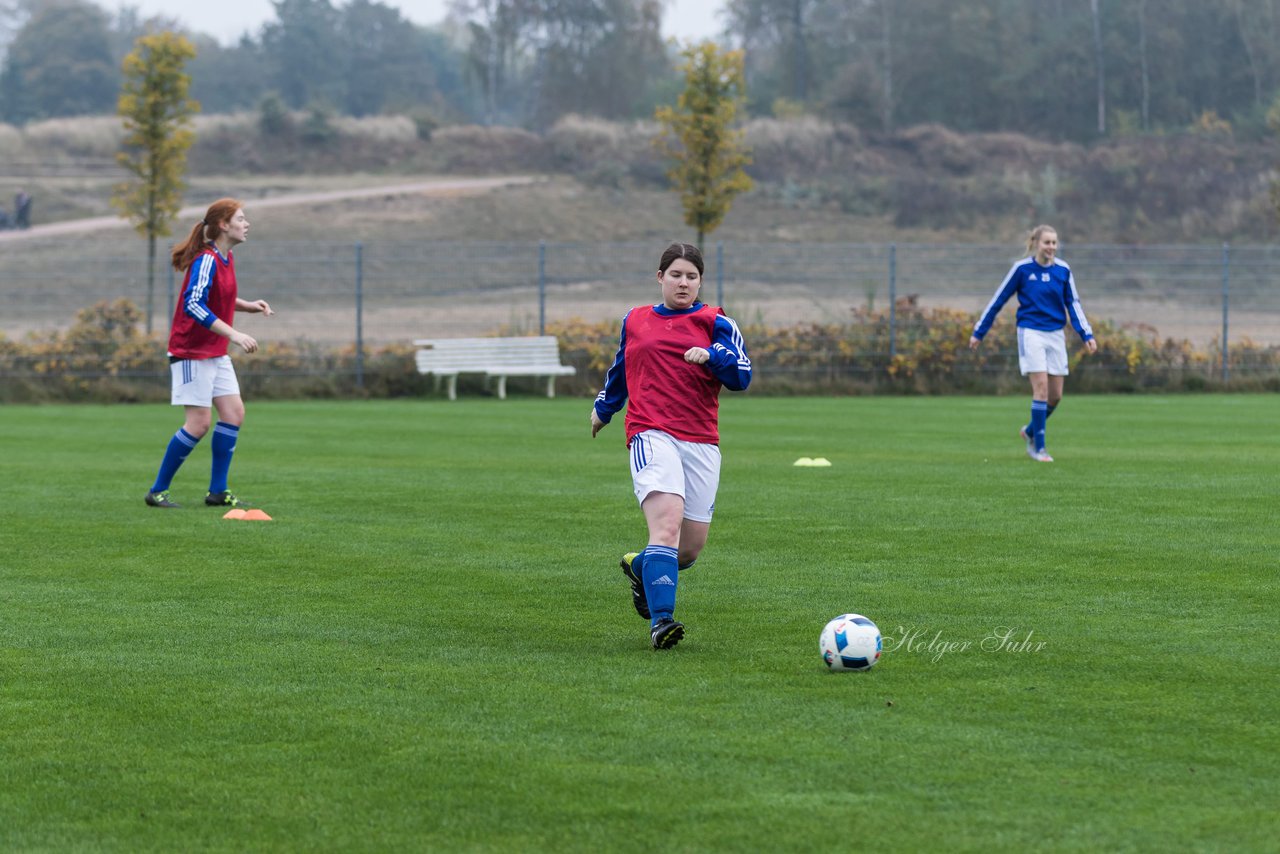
column 227, row 20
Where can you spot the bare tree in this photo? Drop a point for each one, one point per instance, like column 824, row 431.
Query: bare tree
column 1237, row 7
column 1101, row 69
column 13, row 14
column 1142, row 61
column 886, row 69
column 495, row 27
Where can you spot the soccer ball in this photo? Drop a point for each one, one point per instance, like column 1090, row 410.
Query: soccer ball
column 850, row 642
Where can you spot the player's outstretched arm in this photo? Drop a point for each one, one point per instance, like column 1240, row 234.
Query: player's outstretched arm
column 257, row 306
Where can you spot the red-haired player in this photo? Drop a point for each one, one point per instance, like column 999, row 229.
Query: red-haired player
column 202, row 374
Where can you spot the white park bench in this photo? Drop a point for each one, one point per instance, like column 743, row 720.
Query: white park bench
column 445, row 358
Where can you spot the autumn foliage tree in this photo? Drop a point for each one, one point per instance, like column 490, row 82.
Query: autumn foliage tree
column 157, row 115
column 699, row 136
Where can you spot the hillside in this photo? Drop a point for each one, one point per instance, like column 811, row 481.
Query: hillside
column 816, row 180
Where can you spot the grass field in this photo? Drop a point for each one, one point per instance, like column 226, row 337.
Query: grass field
column 432, row 648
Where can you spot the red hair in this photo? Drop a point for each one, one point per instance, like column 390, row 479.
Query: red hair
column 204, row 232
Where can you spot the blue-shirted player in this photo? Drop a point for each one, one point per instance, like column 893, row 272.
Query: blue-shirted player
column 1047, row 299
column 672, row 360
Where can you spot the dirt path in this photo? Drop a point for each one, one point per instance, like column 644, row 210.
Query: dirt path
column 431, row 187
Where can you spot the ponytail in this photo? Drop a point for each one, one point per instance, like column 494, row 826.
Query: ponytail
column 1033, row 240
column 203, row 233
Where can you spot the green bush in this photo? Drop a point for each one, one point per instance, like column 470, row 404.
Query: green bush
column 104, row 357
column 273, row 117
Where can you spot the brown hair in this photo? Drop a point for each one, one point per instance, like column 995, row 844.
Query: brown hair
column 681, row 250
column 203, row 233
column 1033, row 240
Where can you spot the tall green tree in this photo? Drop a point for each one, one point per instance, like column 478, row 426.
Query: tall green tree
column 305, row 45
column 699, row 136
column 157, row 120
column 599, row 57
column 388, row 60
column 59, row 64
column 776, row 39
column 244, row 62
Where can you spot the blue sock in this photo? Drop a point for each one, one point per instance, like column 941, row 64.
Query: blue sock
column 660, row 577
column 224, row 445
column 1047, row 413
column 1039, row 410
column 181, row 445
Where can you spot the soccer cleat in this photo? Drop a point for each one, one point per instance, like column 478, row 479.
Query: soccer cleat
column 1041, row 457
column 225, row 499
column 160, row 499
column 666, row 633
column 638, row 597
column 1030, row 440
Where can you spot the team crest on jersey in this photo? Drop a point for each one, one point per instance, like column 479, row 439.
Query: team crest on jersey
column 1044, row 277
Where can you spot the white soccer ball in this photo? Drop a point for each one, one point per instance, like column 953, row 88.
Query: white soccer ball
column 850, row 642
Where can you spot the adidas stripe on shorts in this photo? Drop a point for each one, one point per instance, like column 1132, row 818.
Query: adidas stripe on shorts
column 1042, row 352
column 196, row 382
column 662, row 463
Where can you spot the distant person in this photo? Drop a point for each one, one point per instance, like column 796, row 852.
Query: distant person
column 672, row 359
column 22, row 209
column 1047, row 297
column 201, row 371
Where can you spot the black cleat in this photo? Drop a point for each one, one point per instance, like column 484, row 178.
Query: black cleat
column 160, row 499
column 666, row 634
column 638, row 597
column 226, row 499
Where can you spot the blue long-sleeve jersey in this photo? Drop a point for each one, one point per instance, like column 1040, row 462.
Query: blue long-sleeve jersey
column 1047, row 298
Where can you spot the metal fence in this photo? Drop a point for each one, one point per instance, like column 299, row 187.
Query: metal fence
column 374, row 293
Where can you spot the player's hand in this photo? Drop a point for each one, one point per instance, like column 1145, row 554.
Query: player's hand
column 596, row 423
column 697, row 355
column 974, row 342
column 1091, row 345
column 244, row 342
column 262, row 306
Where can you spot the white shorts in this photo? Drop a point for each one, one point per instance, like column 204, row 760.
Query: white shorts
column 662, row 463
column 196, row 382
column 1042, row 352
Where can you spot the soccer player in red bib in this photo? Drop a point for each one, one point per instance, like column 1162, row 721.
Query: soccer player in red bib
column 672, row 360
column 201, row 371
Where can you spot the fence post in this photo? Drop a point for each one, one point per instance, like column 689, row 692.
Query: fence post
column 893, row 301
column 1226, row 289
column 542, row 287
column 359, row 315
column 720, row 273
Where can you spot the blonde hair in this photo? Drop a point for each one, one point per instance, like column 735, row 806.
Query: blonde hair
column 1036, row 233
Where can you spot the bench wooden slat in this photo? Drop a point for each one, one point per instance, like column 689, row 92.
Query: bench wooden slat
column 528, row 356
